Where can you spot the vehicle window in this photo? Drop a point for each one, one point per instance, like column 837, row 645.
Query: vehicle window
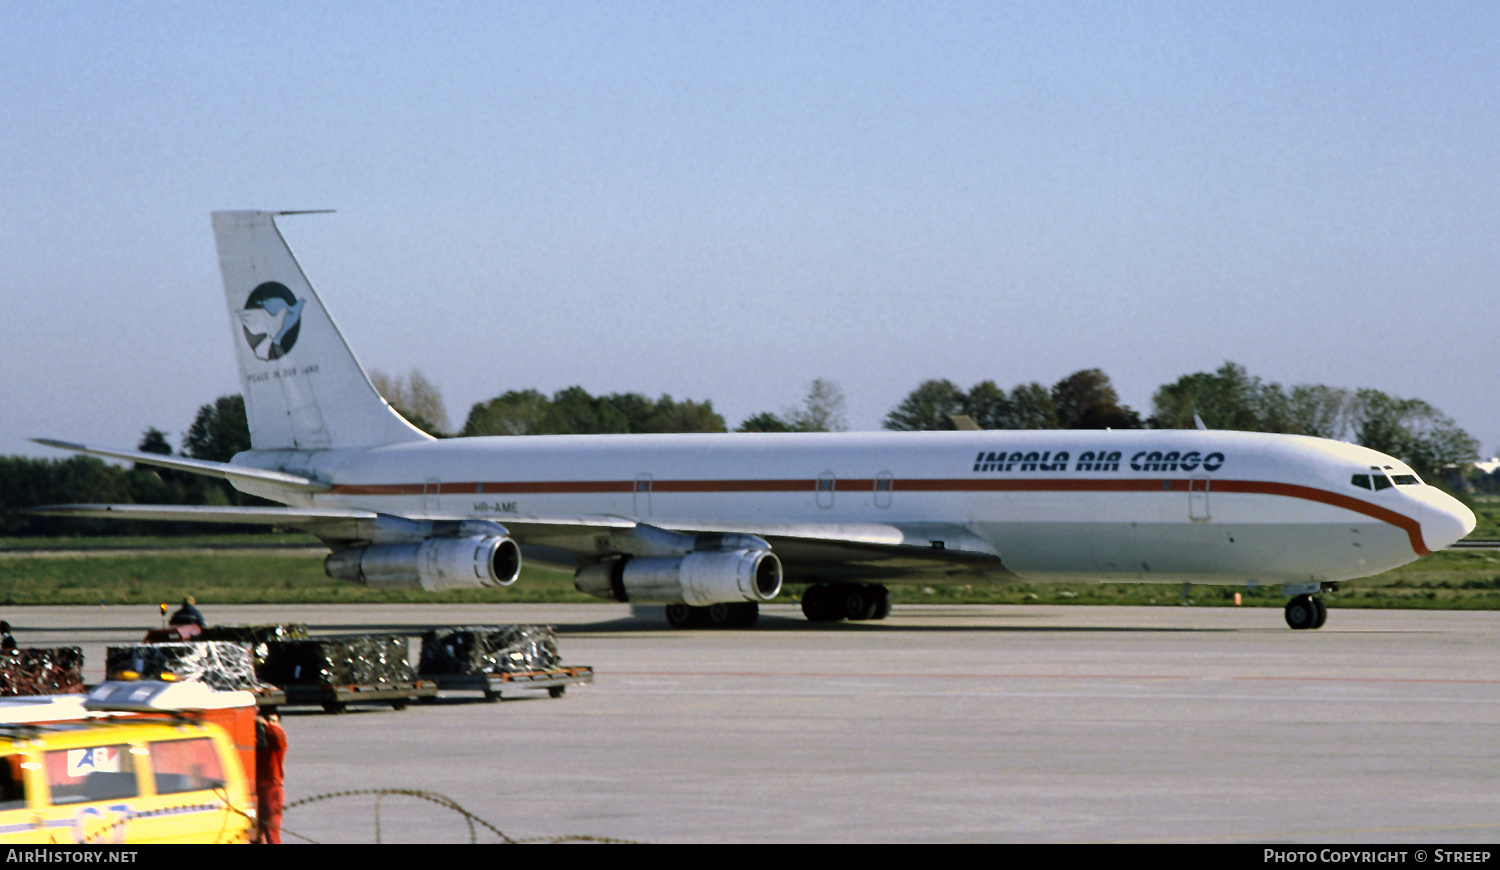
column 92, row 773
column 1406, row 480
column 1361, row 480
column 186, row 765
column 1381, row 482
column 12, row 783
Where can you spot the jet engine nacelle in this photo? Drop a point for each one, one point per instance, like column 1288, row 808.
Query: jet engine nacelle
column 434, row 564
column 699, row 579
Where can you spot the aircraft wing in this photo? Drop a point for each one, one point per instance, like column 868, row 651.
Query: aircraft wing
column 264, row 516
column 876, row 551
column 809, row 552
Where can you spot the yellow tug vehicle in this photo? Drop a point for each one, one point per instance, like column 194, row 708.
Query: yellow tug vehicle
column 133, row 762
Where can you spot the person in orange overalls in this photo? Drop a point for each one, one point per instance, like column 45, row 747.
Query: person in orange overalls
column 270, row 753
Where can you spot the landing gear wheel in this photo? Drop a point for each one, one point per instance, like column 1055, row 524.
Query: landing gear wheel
column 684, row 616
column 1322, row 615
column 739, row 614
column 856, row 603
column 1302, row 612
column 556, row 691
column 861, row 603
column 818, row 605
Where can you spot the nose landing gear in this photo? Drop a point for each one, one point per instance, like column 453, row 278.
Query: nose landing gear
column 1306, row 611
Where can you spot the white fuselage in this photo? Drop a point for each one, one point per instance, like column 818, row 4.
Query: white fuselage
column 1138, row 505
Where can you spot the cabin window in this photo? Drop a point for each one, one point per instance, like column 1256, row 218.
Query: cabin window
column 1361, row 480
column 1406, row 480
column 92, row 773
column 12, row 783
column 186, row 765
column 1381, row 482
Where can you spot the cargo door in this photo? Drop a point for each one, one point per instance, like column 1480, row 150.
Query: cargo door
column 642, row 505
column 825, row 486
column 1198, row 499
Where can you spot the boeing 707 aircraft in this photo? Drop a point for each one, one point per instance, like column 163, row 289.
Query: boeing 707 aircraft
column 712, row 525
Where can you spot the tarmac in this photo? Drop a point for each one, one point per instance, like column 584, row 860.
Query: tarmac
column 940, row 724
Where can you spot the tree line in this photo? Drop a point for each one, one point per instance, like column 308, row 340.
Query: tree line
column 1228, row 398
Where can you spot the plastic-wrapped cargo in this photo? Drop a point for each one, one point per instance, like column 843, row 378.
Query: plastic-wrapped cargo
column 257, row 637
column 359, row 659
column 41, row 671
column 224, row 665
column 489, row 649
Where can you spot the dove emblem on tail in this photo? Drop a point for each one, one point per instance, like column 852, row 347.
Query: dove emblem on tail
column 271, row 319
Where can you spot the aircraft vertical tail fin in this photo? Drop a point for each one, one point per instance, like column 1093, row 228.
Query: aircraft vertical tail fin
column 303, row 387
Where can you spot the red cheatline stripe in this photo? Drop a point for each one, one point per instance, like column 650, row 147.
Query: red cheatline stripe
column 1412, row 528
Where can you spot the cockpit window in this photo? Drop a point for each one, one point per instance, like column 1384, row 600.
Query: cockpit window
column 1383, row 478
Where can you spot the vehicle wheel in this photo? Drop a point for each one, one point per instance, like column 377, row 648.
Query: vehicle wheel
column 1301, row 612
column 398, row 704
column 556, row 691
column 882, row 602
column 491, row 697
column 748, row 614
column 683, row 615
column 334, row 707
column 1322, row 614
column 719, row 615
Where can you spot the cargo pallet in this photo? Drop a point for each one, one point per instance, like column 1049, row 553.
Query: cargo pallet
column 336, row 699
column 494, row 686
column 269, row 697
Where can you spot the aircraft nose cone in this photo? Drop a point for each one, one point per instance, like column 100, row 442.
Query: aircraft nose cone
column 1445, row 521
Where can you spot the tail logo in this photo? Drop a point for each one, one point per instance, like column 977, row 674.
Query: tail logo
column 271, row 319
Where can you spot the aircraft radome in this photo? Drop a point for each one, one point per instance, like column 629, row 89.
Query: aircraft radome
column 711, row 525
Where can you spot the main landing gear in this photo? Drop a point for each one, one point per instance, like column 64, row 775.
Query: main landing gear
column 850, row 601
column 856, row 602
column 739, row 615
column 1306, row 611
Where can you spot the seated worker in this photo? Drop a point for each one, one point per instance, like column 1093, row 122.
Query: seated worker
column 187, row 614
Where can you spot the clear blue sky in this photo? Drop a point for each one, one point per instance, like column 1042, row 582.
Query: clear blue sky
column 726, row 201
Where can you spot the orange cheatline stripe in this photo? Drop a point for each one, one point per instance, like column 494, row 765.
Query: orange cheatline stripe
column 1412, row 528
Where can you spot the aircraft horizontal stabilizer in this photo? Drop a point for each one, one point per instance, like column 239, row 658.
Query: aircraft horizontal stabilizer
column 194, row 466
